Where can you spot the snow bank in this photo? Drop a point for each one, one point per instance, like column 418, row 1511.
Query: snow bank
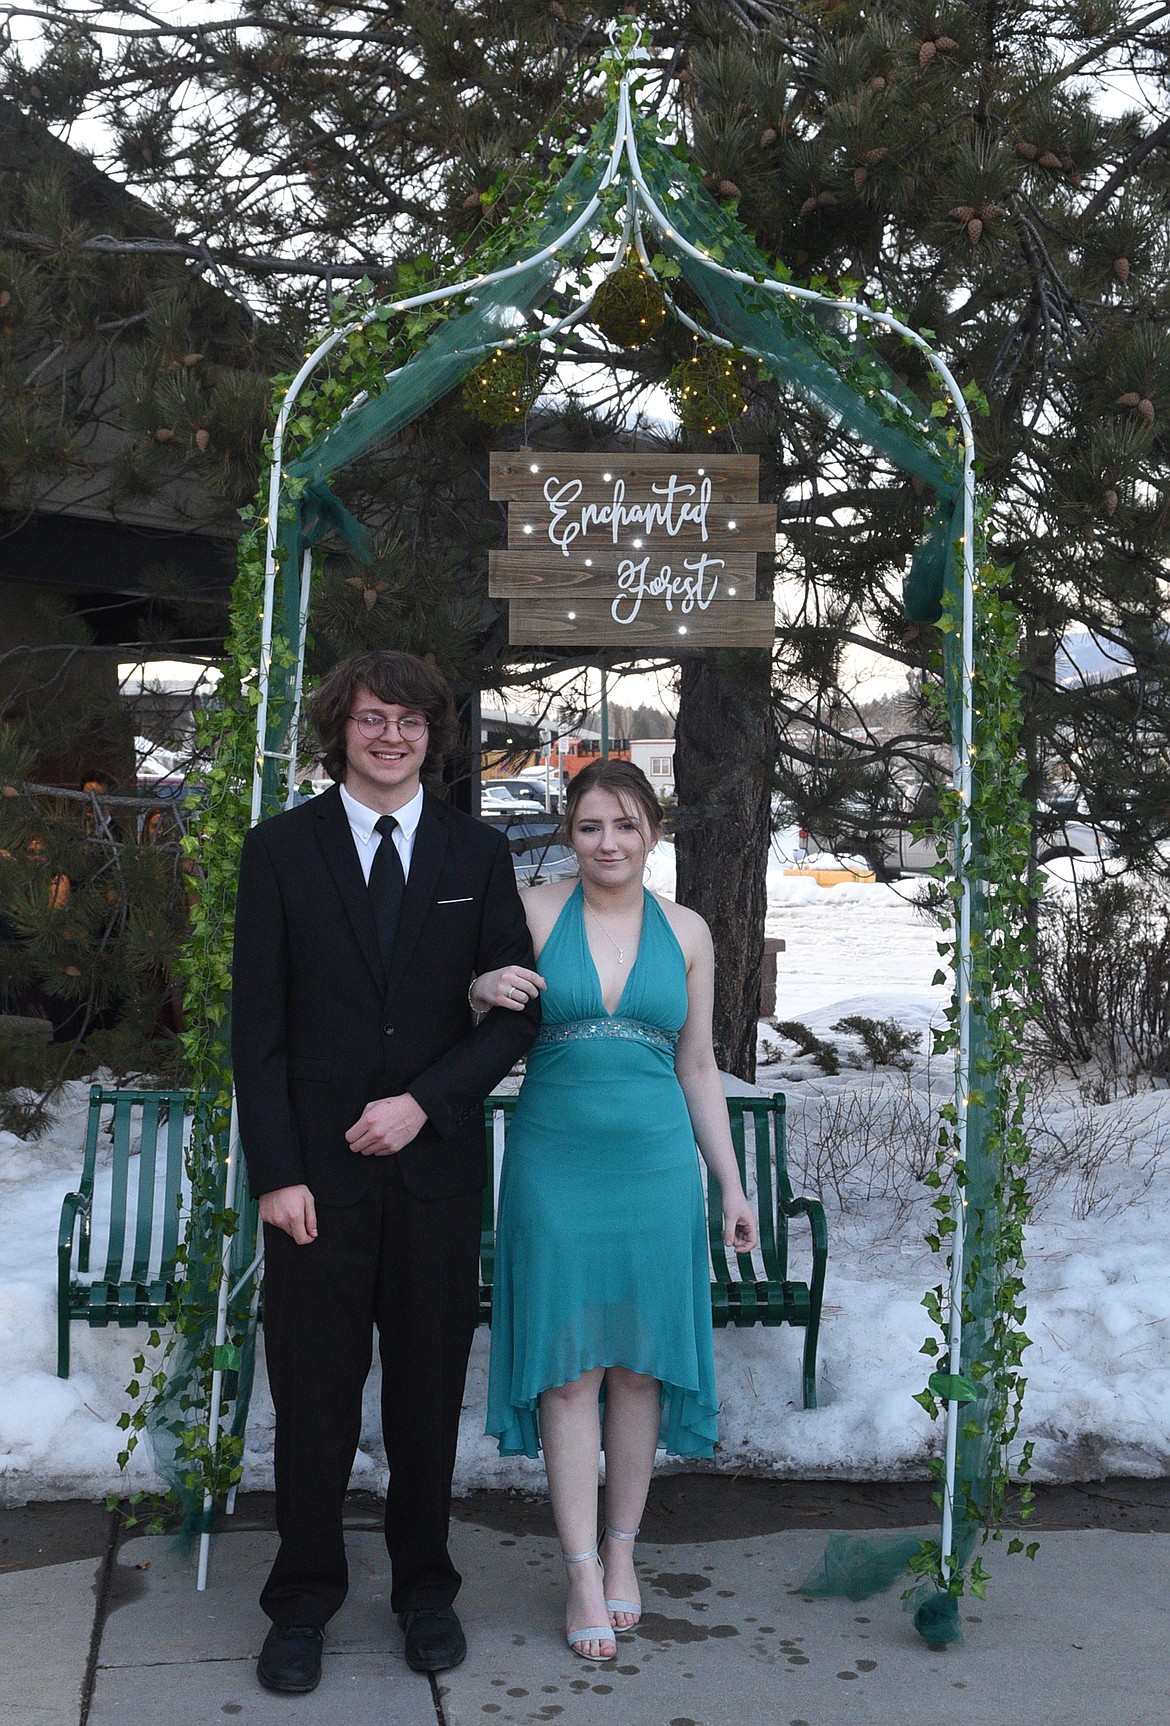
column 1099, row 1294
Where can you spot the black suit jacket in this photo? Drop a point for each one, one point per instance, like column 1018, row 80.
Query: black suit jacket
column 319, row 1030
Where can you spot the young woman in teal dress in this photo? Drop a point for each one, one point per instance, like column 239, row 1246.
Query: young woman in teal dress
column 601, row 1316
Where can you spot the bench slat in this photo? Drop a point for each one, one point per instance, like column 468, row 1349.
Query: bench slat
column 147, row 1160
column 769, row 1151
column 175, row 1102
column 120, row 1175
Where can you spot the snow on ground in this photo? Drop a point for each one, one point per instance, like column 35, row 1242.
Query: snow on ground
column 1098, row 1398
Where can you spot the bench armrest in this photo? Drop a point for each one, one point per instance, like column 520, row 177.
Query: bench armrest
column 73, row 1206
column 814, row 1210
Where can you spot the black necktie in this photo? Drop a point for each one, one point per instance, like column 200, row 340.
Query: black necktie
column 387, row 885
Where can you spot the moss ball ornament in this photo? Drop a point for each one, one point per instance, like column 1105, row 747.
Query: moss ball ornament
column 706, row 390
column 629, row 307
column 504, row 387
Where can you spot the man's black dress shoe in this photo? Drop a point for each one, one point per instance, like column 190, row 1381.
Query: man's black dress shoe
column 434, row 1638
column 290, row 1659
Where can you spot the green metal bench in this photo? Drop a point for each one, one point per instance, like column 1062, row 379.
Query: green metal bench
column 136, row 1278
column 739, row 1294
column 136, row 1281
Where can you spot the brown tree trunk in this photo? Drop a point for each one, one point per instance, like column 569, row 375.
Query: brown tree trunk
column 723, row 776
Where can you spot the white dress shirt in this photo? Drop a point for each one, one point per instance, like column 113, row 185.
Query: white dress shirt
column 367, row 840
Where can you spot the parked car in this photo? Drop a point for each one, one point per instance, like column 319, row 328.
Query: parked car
column 1064, row 831
column 538, row 851
column 528, row 791
column 493, row 801
column 549, row 786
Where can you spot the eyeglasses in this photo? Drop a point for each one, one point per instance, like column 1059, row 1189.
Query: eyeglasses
column 410, row 727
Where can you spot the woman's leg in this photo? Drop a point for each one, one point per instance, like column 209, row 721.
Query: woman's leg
column 632, row 1414
column 570, row 1433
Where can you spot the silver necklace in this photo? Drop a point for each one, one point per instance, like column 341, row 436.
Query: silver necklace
column 620, row 951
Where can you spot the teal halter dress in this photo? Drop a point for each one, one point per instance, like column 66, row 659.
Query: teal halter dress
column 601, row 1252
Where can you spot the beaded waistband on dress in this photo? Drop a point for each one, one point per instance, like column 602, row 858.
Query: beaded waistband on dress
column 631, row 1030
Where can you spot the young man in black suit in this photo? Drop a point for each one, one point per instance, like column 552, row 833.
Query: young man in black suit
column 362, row 919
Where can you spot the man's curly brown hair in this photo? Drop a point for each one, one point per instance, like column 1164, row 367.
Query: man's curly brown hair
column 399, row 679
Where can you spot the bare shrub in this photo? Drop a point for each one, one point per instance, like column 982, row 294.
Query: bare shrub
column 1102, row 988
column 1108, row 1157
column 865, row 1143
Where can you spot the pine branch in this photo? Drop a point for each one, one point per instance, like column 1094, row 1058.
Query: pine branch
column 257, row 263
column 1130, row 31
column 199, row 33
column 1153, row 141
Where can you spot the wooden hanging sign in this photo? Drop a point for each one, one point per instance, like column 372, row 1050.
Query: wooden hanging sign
column 651, row 550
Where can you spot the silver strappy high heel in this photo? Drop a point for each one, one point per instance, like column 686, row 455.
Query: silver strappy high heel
column 633, row 1607
column 593, row 1632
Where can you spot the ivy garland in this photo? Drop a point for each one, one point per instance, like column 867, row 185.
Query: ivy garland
column 1001, row 972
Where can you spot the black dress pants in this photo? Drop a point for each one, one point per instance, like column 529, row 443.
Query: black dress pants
column 410, row 1268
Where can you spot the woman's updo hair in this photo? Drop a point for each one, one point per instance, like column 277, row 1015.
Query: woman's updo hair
column 627, row 783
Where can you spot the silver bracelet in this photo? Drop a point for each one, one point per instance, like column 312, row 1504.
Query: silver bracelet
column 479, row 1012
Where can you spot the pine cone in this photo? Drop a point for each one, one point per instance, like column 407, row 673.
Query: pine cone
column 190, row 360
column 1028, row 151
column 826, row 198
column 1129, row 400
column 873, row 157
column 472, row 201
column 961, row 212
column 164, row 434
column 926, row 53
column 990, row 211
column 945, row 44
column 877, row 82
column 1110, row 501
column 974, row 229
column 860, row 176
column 1121, row 268
column 809, row 205
column 1146, row 409
column 202, row 439
column 729, row 189
column 5, row 298
column 1049, row 159
column 767, row 136
column 556, row 10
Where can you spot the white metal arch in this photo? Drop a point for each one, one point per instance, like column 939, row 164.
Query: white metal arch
column 640, row 204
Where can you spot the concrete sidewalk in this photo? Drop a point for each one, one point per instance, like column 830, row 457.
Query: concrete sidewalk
column 1080, row 1638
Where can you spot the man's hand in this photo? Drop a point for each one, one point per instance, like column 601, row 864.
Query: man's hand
column 386, row 1125
column 291, row 1209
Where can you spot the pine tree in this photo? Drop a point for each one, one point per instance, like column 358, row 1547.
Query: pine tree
column 961, row 162
column 957, row 161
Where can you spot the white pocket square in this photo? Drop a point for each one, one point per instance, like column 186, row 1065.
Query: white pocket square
column 469, row 899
